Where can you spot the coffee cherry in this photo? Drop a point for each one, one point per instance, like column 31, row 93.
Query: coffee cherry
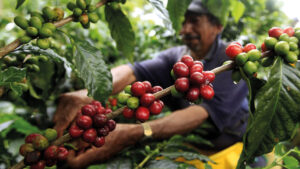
column 133, row 102
column 282, row 48
column 270, row 42
column 48, row 13
column 197, row 62
column 26, row 148
column 50, row 162
column 236, row 76
column 275, row 32
column 107, row 111
column 88, row 110
column 99, row 120
column 84, row 122
column 111, row 125
column 250, row 68
column 84, row 19
column 25, row 39
column 71, row 6
column 176, row 93
column 196, row 68
column 45, row 32
column 290, row 31
column 50, row 26
column 193, row 94
column 77, row 12
column 31, row 31
column 233, row 50
column 182, row 84
column 148, row 86
column 103, row 131
column 99, row 142
column 32, row 157
column 59, row 14
column 50, row 134
column 39, row 165
column 123, row 97
column 62, row 153
column 128, row 113
column 142, row 114
column 40, row 143
column 241, row 58
column 197, row 78
column 156, row 107
column 291, row 57
column 21, row 22
column 138, row 89
column 263, row 47
column 254, row 55
column 81, row 4
column 96, row 103
column 31, row 137
column 249, row 47
column 35, row 22
column 93, row 17
column 207, row 92
column 209, row 76
column 147, row 99
column 156, row 89
column 75, row 131
column 39, row 15
column 181, row 70
column 236, row 43
column 188, row 60
column 89, row 135
column 51, row 152
column 127, row 89
column 43, row 43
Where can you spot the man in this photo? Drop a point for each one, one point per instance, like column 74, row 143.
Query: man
column 227, row 110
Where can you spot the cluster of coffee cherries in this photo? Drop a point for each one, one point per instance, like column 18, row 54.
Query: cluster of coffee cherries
column 247, row 57
column 191, row 81
column 139, row 101
column 84, row 12
column 39, row 25
column 92, row 125
column 284, row 42
column 37, row 152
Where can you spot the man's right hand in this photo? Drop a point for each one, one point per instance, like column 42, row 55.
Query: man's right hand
column 68, row 106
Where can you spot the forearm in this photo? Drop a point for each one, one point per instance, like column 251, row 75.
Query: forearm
column 122, row 76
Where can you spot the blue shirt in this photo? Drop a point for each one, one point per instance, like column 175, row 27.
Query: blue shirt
column 229, row 107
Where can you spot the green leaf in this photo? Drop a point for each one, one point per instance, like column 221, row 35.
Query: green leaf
column 276, row 112
column 290, row 162
column 238, row 10
column 220, row 9
column 93, row 70
column 176, row 9
column 186, row 155
column 10, row 76
column 121, row 30
column 161, row 164
column 163, row 13
column 207, row 166
column 116, row 163
column 19, row 3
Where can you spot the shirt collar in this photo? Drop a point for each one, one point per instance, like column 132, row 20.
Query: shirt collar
column 214, row 48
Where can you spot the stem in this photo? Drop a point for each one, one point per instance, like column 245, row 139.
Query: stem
column 274, row 163
column 16, row 43
column 149, row 156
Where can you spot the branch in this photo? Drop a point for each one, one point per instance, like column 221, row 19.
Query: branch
column 16, row 43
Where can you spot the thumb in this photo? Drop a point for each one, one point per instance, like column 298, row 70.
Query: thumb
column 60, row 128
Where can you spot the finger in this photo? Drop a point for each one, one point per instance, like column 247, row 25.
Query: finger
column 60, row 128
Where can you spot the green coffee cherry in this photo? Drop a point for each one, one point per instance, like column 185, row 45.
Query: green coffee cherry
column 33, row 60
column 91, row 8
column 294, row 39
column 45, row 32
column 236, row 76
column 59, row 14
column 71, row 6
column 12, row 95
column 39, row 15
column 284, row 37
column 88, row 2
column 250, row 68
column 77, row 12
column 270, row 42
column 40, row 142
column 43, row 58
column 86, row 26
column 254, row 55
column 93, row 17
column 293, row 46
column 133, row 102
column 31, row 31
column 175, row 93
column 21, row 22
column 84, row 19
column 123, row 97
column 50, row 26
column 297, row 52
column 241, row 58
column 291, row 57
column 81, row 4
column 36, row 22
column 282, row 48
column 127, row 89
column 50, row 134
column 35, row 68
column 297, row 34
column 25, row 39
column 48, row 13
column 43, row 43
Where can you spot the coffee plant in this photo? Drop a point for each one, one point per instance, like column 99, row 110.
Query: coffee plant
column 47, row 60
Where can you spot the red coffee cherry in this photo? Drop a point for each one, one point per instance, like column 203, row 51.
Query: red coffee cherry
column 138, row 89
column 88, row 110
column 236, row 43
column 39, row 165
column 249, row 47
column 156, row 107
column 128, row 113
column 103, row 131
column 188, row 60
column 108, row 110
column 193, row 94
column 96, row 103
column 156, row 89
column 26, row 148
column 196, row 68
column 32, row 158
column 197, row 62
column 84, row 122
column 51, row 152
column 99, row 120
column 207, row 92
column 99, row 142
column 263, row 47
column 50, row 162
column 197, row 78
column 75, row 131
column 31, row 137
column 111, row 125
column 142, row 114
column 161, row 102
column 89, row 135
column 62, row 153
column 182, row 84
column 209, row 76
column 290, row 31
column 113, row 102
column 100, row 110
column 147, row 99
column 233, row 50
column 181, row 70
column 275, row 32
column 148, row 86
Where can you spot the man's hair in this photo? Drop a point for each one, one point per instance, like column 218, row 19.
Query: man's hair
column 196, row 8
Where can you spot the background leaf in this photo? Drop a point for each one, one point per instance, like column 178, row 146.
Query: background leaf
column 19, row 3
column 237, row 10
column 123, row 35
column 186, row 155
column 93, row 70
column 11, row 76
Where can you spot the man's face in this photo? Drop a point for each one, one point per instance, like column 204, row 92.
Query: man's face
column 199, row 34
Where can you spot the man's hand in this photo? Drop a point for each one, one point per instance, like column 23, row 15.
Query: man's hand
column 123, row 136
column 69, row 105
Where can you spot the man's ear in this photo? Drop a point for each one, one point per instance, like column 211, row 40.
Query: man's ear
column 219, row 28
